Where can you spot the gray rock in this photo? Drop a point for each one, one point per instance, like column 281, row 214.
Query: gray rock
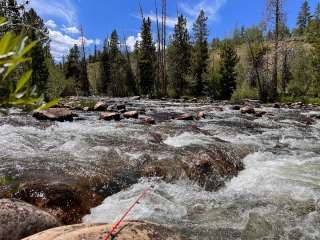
column 19, row 219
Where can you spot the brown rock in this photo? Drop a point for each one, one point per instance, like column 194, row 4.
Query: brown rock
column 276, row 105
column 66, row 202
column 109, row 116
column 247, row 110
column 19, row 219
column 100, row 106
column 185, row 117
column 131, row 114
column 128, row 231
column 148, row 120
column 55, row 114
column 260, row 114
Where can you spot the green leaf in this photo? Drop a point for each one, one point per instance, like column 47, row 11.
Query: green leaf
column 27, row 48
column 49, row 104
column 23, row 81
column 5, row 42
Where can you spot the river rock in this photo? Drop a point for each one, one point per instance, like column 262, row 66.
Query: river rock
column 201, row 115
column 19, row 219
column 185, row 117
column 260, row 114
column 109, row 116
column 66, row 202
column 236, row 107
column 131, row 114
column 135, row 98
column 55, row 114
column 247, row 110
column 148, row 120
column 128, row 231
column 100, row 106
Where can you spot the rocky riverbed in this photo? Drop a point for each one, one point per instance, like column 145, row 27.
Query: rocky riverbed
column 217, row 171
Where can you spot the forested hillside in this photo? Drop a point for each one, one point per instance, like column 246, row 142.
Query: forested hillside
column 267, row 61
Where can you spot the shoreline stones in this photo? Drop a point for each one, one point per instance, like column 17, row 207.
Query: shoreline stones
column 19, row 219
column 55, row 114
column 133, row 230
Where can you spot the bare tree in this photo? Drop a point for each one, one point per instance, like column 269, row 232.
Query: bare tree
column 84, row 82
column 275, row 14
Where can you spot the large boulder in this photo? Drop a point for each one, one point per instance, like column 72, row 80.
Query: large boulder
column 131, row 114
column 247, row 110
column 108, row 116
column 128, row 231
column 100, row 106
column 55, row 114
column 66, row 202
column 19, row 219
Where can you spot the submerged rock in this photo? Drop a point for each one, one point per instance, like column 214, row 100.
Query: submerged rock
column 148, row 120
column 128, row 231
column 185, row 117
column 108, row 116
column 19, row 219
column 55, row 114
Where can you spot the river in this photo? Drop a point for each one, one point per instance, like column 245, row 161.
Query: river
column 276, row 196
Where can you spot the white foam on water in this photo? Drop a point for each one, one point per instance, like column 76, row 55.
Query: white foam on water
column 186, row 139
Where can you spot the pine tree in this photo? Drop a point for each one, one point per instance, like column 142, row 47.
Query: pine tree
column 146, row 59
column 179, row 57
column 105, row 69
column 37, row 31
column 200, row 54
column 229, row 60
column 73, row 69
column 304, row 18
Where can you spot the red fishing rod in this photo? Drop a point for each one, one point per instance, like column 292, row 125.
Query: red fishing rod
column 112, row 232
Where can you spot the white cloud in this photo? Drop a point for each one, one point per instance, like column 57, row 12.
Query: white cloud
column 171, row 21
column 61, row 43
column 51, row 24
column 71, row 30
column 211, row 8
column 63, row 9
column 131, row 41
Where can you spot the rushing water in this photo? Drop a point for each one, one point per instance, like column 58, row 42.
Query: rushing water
column 276, row 196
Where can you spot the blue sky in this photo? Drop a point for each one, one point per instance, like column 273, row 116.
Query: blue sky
column 100, row 17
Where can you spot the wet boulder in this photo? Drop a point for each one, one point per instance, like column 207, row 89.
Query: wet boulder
column 101, row 106
column 128, row 231
column 185, row 117
column 55, row 114
column 109, row 116
column 148, row 120
column 235, row 107
column 131, row 114
column 201, row 115
column 247, row 110
column 65, row 202
column 19, row 219
column 260, row 114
